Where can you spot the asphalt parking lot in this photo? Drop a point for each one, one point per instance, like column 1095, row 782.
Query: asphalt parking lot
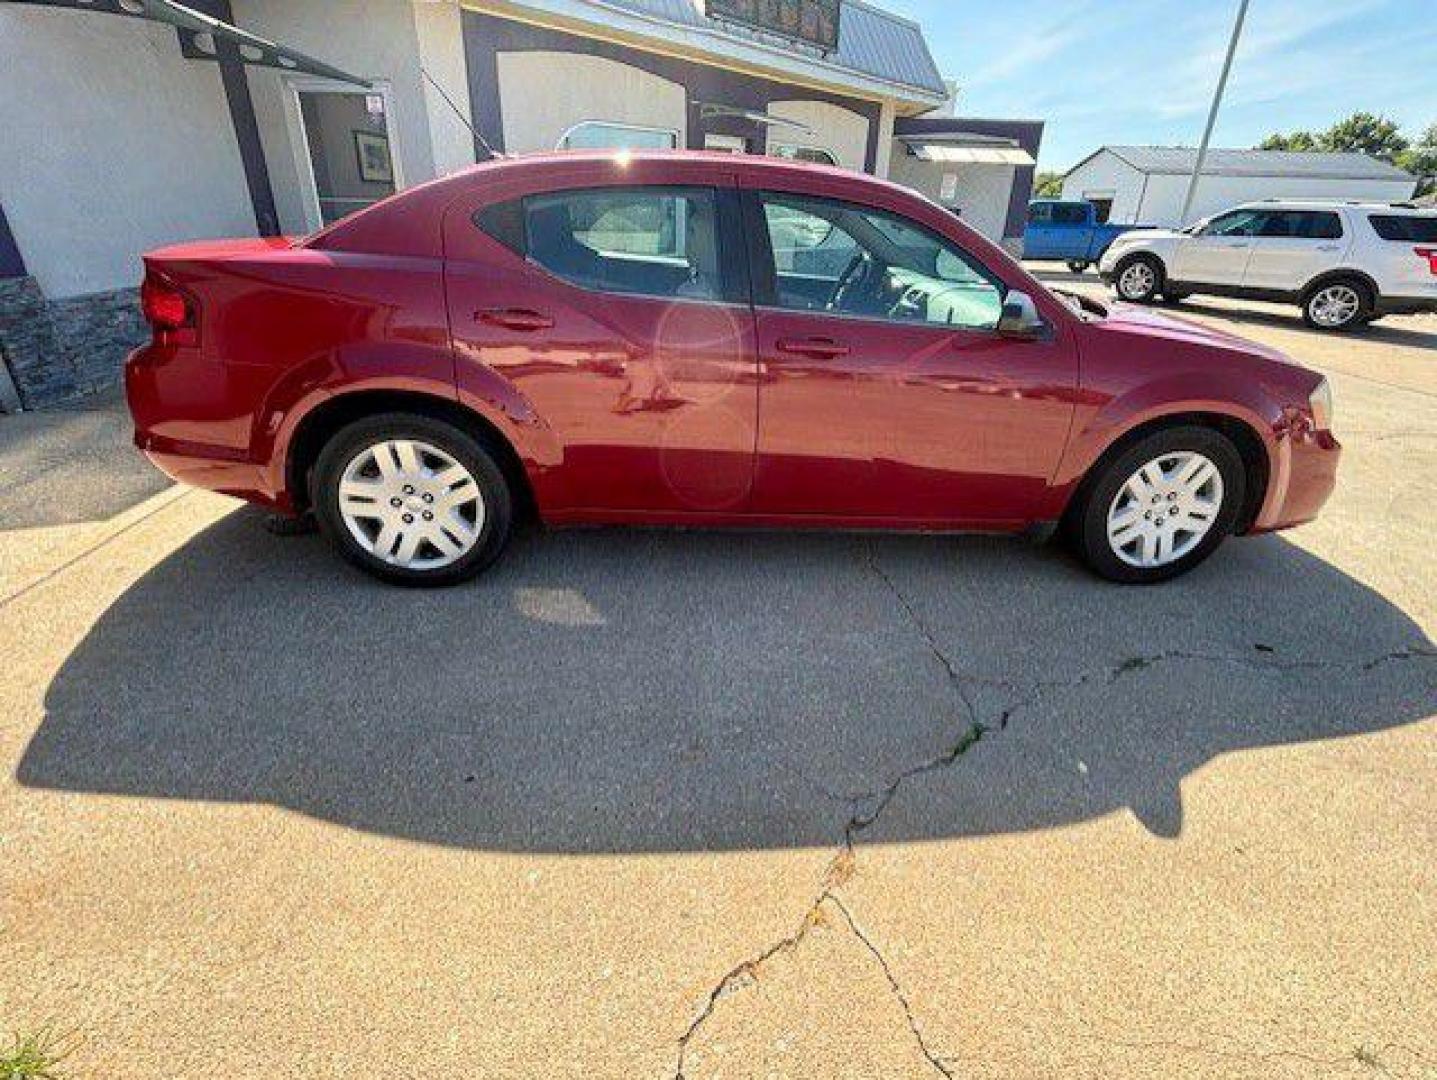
column 640, row 804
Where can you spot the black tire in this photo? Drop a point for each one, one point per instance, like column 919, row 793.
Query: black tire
column 1077, row 266
column 1317, row 297
column 1152, row 285
column 351, row 441
column 1174, row 296
column 1086, row 524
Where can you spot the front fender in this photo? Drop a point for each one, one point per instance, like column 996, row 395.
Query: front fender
column 1186, row 394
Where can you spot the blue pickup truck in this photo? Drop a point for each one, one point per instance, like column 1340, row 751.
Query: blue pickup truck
column 1068, row 231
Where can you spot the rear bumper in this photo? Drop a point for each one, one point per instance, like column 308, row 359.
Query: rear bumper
column 176, row 427
column 1303, row 481
column 195, row 466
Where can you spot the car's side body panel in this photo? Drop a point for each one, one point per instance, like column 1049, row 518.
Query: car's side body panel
column 951, row 425
column 634, row 408
column 282, row 329
column 651, row 403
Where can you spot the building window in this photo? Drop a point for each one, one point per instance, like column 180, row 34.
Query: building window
column 603, row 135
column 814, row 154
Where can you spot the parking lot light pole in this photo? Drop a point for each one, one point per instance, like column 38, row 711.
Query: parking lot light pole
column 1212, row 113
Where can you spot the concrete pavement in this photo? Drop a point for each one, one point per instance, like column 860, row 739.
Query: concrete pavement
column 735, row 805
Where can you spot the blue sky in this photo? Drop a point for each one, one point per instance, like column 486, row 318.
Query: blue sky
column 1143, row 71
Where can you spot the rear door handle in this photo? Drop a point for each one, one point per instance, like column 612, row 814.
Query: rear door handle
column 514, row 319
column 815, row 348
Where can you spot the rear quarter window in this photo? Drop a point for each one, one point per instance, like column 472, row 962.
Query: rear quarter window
column 1407, row 228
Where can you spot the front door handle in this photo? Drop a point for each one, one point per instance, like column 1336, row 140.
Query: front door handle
column 514, row 319
column 815, row 348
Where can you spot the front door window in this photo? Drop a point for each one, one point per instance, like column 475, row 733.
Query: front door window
column 845, row 259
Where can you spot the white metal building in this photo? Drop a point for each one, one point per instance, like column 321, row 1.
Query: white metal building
column 1147, row 184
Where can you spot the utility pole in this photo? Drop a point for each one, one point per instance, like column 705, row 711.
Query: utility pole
column 1212, row 113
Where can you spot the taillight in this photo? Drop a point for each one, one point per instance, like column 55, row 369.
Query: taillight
column 170, row 310
column 1430, row 254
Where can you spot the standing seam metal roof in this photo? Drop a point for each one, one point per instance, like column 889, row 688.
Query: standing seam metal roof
column 871, row 41
column 1286, row 163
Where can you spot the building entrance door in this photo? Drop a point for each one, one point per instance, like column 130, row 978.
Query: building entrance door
column 349, row 160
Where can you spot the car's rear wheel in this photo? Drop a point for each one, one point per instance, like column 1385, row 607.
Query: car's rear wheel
column 412, row 500
column 1139, row 279
column 1160, row 507
column 1337, row 305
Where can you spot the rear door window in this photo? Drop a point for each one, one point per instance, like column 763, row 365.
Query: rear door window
column 1407, row 228
column 661, row 242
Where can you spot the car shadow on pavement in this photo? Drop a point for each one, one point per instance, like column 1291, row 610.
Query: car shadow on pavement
column 628, row 690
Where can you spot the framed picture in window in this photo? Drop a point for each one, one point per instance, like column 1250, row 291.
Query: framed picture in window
column 375, row 165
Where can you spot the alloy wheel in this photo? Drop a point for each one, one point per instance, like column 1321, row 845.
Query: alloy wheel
column 1165, row 509
column 411, row 504
column 1334, row 306
column 1138, row 281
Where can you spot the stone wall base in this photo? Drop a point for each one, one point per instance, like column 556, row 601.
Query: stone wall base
column 59, row 350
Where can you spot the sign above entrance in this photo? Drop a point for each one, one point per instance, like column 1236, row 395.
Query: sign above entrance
column 813, row 22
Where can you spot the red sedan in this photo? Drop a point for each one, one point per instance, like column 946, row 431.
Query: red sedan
column 694, row 339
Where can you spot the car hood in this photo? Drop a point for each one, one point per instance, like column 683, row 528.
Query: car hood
column 1145, row 322
column 1147, row 232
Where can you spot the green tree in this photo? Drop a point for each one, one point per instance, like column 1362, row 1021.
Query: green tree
column 1048, row 185
column 1365, row 133
column 1421, row 160
column 1297, row 140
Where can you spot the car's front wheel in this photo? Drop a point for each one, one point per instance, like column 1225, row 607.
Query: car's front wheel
column 1139, row 279
column 1160, row 507
column 411, row 499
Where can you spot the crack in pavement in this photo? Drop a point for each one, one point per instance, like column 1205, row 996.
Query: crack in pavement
column 745, row 974
column 866, row 807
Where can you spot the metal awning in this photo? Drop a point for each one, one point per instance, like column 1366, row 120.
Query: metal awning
column 201, row 35
column 709, row 109
column 960, row 147
column 972, row 155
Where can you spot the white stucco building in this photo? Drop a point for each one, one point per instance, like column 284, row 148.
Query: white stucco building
column 1147, row 184
column 130, row 124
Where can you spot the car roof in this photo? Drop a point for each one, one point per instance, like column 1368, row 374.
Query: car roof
column 1336, row 204
column 382, row 226
column 746, row 164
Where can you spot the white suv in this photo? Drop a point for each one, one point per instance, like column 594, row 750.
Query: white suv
column 1343, row 263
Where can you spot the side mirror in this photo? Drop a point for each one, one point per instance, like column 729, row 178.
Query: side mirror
column 1020, row 318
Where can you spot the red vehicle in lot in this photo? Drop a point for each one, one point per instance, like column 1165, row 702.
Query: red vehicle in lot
column 685, row 338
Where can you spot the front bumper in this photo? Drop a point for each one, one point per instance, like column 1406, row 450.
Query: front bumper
column 1304, row 477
